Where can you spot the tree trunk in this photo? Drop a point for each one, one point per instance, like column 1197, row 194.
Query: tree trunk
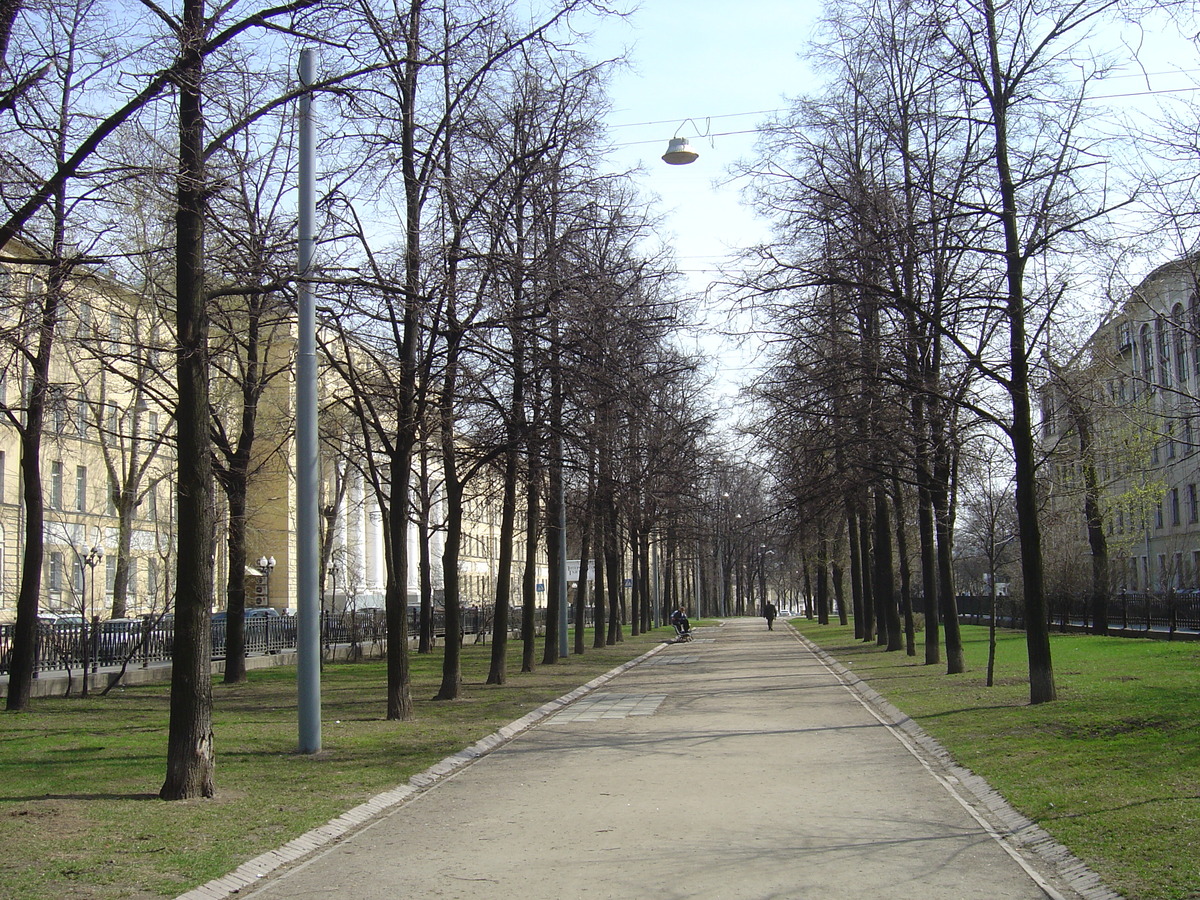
column 554, row 585
column 581, row 587
column 190, row 757
column 498, row 672
column 647, row 576
column 425, row 637
column 612, row 569
column 885, row 576
column 451, row 687
column 1037, row 631
column 598, row 594
column 399, row 681
column 856, row 573
column 235, row 586
column 906, row 607
column 865, row 556
column 24, row 651
column 529, row 577
column 929, row 589
column 635, row 592
column 947, row 601
column 1094, row 517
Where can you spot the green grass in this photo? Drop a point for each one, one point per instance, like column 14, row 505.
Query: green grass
column 1111, row 769
column 79, row 812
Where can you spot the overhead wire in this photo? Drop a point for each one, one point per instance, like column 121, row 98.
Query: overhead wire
column 766, row 112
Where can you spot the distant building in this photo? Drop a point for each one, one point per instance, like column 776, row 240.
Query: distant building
column 108, row 444
column 1136, row 385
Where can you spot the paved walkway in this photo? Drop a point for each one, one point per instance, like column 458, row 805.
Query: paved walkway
column 741, row 765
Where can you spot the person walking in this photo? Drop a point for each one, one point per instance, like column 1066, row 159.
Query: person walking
column 770, row 612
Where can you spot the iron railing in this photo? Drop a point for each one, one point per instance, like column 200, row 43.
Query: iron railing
column 1132, row 612
column 71, row 646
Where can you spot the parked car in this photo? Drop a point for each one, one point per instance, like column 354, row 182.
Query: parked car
column 252, row 612
column 48, row 617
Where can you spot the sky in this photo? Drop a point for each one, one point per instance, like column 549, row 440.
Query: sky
column 703, row 68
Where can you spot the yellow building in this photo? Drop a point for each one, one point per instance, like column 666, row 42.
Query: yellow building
column 106, row 457
column 108, row 463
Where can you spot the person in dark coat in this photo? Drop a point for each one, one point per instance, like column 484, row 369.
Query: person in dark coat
column 770, row 612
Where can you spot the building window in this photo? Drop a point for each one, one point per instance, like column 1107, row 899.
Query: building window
column 56, row 485
column 1175, row 506
column 1158, row 515
column 110, row 573
column 82, row 417
column 1195, row 320
column 1193, row 504
column 58, row 409
column 1147, row 356
column 1177, row 331
column 56, row 571
column 1164, row 351
column 81, row 488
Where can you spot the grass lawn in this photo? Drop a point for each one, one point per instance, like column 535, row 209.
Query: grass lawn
column 1111, row 769
column 79, row 778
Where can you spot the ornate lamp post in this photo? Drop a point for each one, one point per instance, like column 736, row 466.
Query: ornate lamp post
column 266, row 564
column 93, row 558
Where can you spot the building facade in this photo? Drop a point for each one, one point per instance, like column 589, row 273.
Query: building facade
column 108, row 461
column 1134, row 393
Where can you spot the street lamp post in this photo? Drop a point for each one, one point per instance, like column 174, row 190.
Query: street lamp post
column 266, row 564
column 91, row 561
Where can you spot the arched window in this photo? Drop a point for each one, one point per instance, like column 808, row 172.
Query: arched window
column 1194, row 328
column 1162, row 328
column 1179, row 335
column 1147, row 344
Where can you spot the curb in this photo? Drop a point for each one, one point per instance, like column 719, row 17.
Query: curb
column 251, row 871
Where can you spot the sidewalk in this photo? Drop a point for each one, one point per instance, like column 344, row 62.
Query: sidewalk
column 740, row 765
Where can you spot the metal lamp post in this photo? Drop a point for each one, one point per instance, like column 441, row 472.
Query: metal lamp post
column 267, row 564
column 91, row 561
column 308, row 601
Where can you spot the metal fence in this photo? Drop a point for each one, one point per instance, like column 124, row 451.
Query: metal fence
column 1148, row 613
column 71, row 646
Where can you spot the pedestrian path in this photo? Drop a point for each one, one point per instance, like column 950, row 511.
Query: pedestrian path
column 745, row 767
